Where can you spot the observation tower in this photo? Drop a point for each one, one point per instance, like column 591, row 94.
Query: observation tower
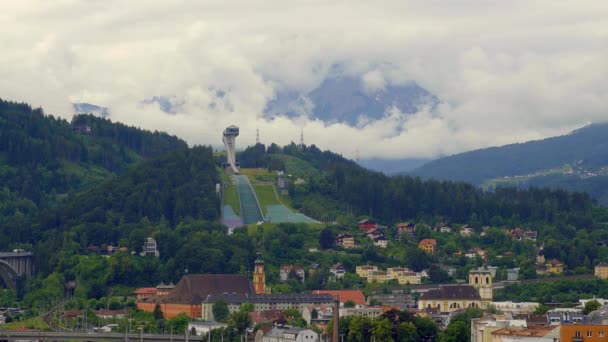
column 229, row 136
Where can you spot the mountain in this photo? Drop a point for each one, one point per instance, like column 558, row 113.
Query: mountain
column 393, row 166
column 88, row 108
column 346, row 99
column 577, row 161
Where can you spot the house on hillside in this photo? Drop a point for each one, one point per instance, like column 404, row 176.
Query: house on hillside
column 345, row 240
column 367, row 225
column 466, row 231
column 405, row 228
column 428, row 245
column 337, row 270
column 374, row 234
column 364, row 271
column 381, row 242
column 601, row 270
column 286, row 270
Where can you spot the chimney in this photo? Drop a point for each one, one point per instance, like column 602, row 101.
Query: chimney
column 336, row 332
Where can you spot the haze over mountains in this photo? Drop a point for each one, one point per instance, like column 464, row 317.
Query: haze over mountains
column 577, row 161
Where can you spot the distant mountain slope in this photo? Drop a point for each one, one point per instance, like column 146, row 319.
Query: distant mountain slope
column 345, row 99
column 576, row 161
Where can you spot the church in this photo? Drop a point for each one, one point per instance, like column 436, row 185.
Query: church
column 448, row 298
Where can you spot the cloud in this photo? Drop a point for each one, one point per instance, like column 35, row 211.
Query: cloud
column 506, row 72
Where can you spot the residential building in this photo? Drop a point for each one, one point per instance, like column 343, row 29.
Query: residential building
column 345, row 240
column 324, row 314
column 540, row 257
column 286, row 270
column 428, row 245
column 381, row 242
column 538, row 334
column 203, row 328
column 264, row 302
column 163, row 289
column 530, row 235
column 405, row 228
column 367, row 225
column 284, row 333
column 356, row 296
column 106, row 314
column 565, row 316
column 364, row 271
column 516, row 308
column 371, row 312
column 583, row 332
column 554, row 266
column 144, row 292
column 192, row 289
column 377, row 276
column 150, row 248
column 411, row 278
column 396, row 300
column 601, row 270
column 337, row 270
column 374, row 234
column 512, row 274
column 466, row 231
column 393, row 272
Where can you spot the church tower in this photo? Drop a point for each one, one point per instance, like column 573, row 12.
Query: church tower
column 259, row 276
column 481, row 279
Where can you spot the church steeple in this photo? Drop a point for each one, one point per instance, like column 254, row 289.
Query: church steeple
column 259, row 276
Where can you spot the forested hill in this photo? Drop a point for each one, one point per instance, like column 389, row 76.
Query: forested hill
column 43, row 158
column 335, row 186
column 577, row 162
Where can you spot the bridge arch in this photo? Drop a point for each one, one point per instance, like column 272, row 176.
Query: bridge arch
column 8, row 274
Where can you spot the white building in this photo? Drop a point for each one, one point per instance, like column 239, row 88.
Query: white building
column 515, row 307
column 287, row 334
column 203, row 328
column 150, row 248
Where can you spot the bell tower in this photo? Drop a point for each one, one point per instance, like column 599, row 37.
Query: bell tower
column 481, row 279
column 259, row 276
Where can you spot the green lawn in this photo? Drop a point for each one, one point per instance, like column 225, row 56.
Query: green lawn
column 231, row 197
column 265, row 195
column 32, row 323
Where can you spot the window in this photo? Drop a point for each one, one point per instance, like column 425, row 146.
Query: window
column 589, row 333
column 600, row 333
column 577, row 334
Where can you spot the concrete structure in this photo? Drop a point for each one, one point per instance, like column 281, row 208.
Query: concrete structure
column 284, row 333
column 565, row 316
column 15, row 264
column 203, row 328
column 229, row 138
column 601, row 270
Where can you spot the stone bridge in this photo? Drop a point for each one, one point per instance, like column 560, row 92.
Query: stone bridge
column 15, row 264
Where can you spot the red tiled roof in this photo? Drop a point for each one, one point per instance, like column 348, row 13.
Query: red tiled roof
column 428, row 242
column 345, row 295
column 145, row 290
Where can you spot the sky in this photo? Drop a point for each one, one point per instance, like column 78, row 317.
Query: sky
column 505, row 71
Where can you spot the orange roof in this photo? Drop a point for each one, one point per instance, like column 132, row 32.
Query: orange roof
column 345, row 295
column 428, row 242
column 145, row 290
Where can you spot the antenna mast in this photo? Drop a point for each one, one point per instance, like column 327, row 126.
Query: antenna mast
column 257, row 136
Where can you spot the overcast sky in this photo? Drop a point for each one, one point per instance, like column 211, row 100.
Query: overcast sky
column 506, row 71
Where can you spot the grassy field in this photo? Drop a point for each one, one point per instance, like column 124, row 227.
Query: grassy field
column 32, row 323
column 296, row 166
column 231, row 197
column 265, row 195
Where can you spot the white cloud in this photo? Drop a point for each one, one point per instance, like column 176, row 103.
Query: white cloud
column 506, row 71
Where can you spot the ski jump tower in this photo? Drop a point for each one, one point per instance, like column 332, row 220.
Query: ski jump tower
column 229, row 136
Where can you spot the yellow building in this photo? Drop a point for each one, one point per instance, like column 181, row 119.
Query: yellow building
column 449, row 298
column 364, row 271
column 601, row 270
column 393, row 272
column 377, row 276
column 554, row 266
column 412, row 278
column 428, row 245
column 481, row 279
